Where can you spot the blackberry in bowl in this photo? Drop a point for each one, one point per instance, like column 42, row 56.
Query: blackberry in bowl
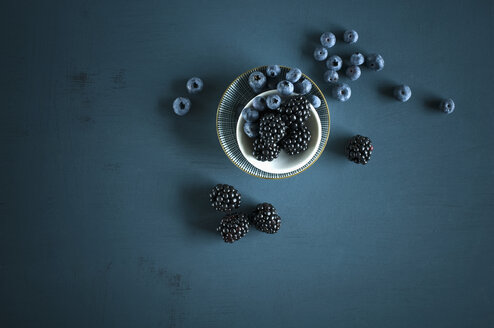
column 288, row 137
column 296, row 112
column 272, row 128
column 265, row 151
column 297, row 141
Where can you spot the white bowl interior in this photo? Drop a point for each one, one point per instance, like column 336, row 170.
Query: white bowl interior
column 285, row 163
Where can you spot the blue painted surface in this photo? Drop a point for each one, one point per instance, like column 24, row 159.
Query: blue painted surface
column 104, row 209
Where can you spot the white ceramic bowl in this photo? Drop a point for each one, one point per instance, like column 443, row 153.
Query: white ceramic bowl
column 285, row 163
column 234, row 99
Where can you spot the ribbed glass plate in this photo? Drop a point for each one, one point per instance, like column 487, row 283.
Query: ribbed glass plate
column 236, row 96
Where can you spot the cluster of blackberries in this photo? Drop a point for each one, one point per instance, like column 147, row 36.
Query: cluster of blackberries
column 283, row 128
column 233, row 225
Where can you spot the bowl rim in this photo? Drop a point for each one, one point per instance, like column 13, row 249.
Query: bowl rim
column 325, row 141
column 308, row 157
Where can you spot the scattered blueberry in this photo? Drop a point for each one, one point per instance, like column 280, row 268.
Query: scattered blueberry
column 181, row 106
column 402, row 92
column 375, row 62
column 257, row 81
column 353, row 72
column 350, row 36
column 331, row 76
column 320, row 53
column 294, row 75
column 356, row 59
column 303, row 87
column 194, row 85
column 447, row 105
column 251, row 129
column 273, row 101
column 315, row 101
column 334, row 63
column 342, row 92
column 259, row 103
column 285, row 88
column 250, row 114
column 273, row 71
column 327, row 39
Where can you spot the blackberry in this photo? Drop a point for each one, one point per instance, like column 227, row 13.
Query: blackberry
column 295, row 112
column 296, row 141
column 359, row 149
column 266, row 219
column 271, row 128
column 265, row 151
column 233, row 227
column 224, row 198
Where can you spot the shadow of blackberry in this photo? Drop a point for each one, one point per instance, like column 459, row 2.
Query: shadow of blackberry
column 338, row 140
column 198, row 211
column 248, row 206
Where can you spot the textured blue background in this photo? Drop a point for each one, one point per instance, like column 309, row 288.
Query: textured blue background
column 105, row 220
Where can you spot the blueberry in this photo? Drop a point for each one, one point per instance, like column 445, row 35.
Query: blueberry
column 285, row 88
column 273, row 101
column 331, row 76
column 251, row 129
column 194, row 85
column 447, row 105
column 342, row 92
column 294, row 75
column 334, row 63
column 327, row 39
column 303, row 87
column 402, row 92
column 259, row 103
column 375, row 62
column 181, row 106
column 350, row 36
column 320, row 53
column 273, row 71
column 250, row 114
column 257, row 81
column 356, row 59
column 315, row 101
column 353, row 72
